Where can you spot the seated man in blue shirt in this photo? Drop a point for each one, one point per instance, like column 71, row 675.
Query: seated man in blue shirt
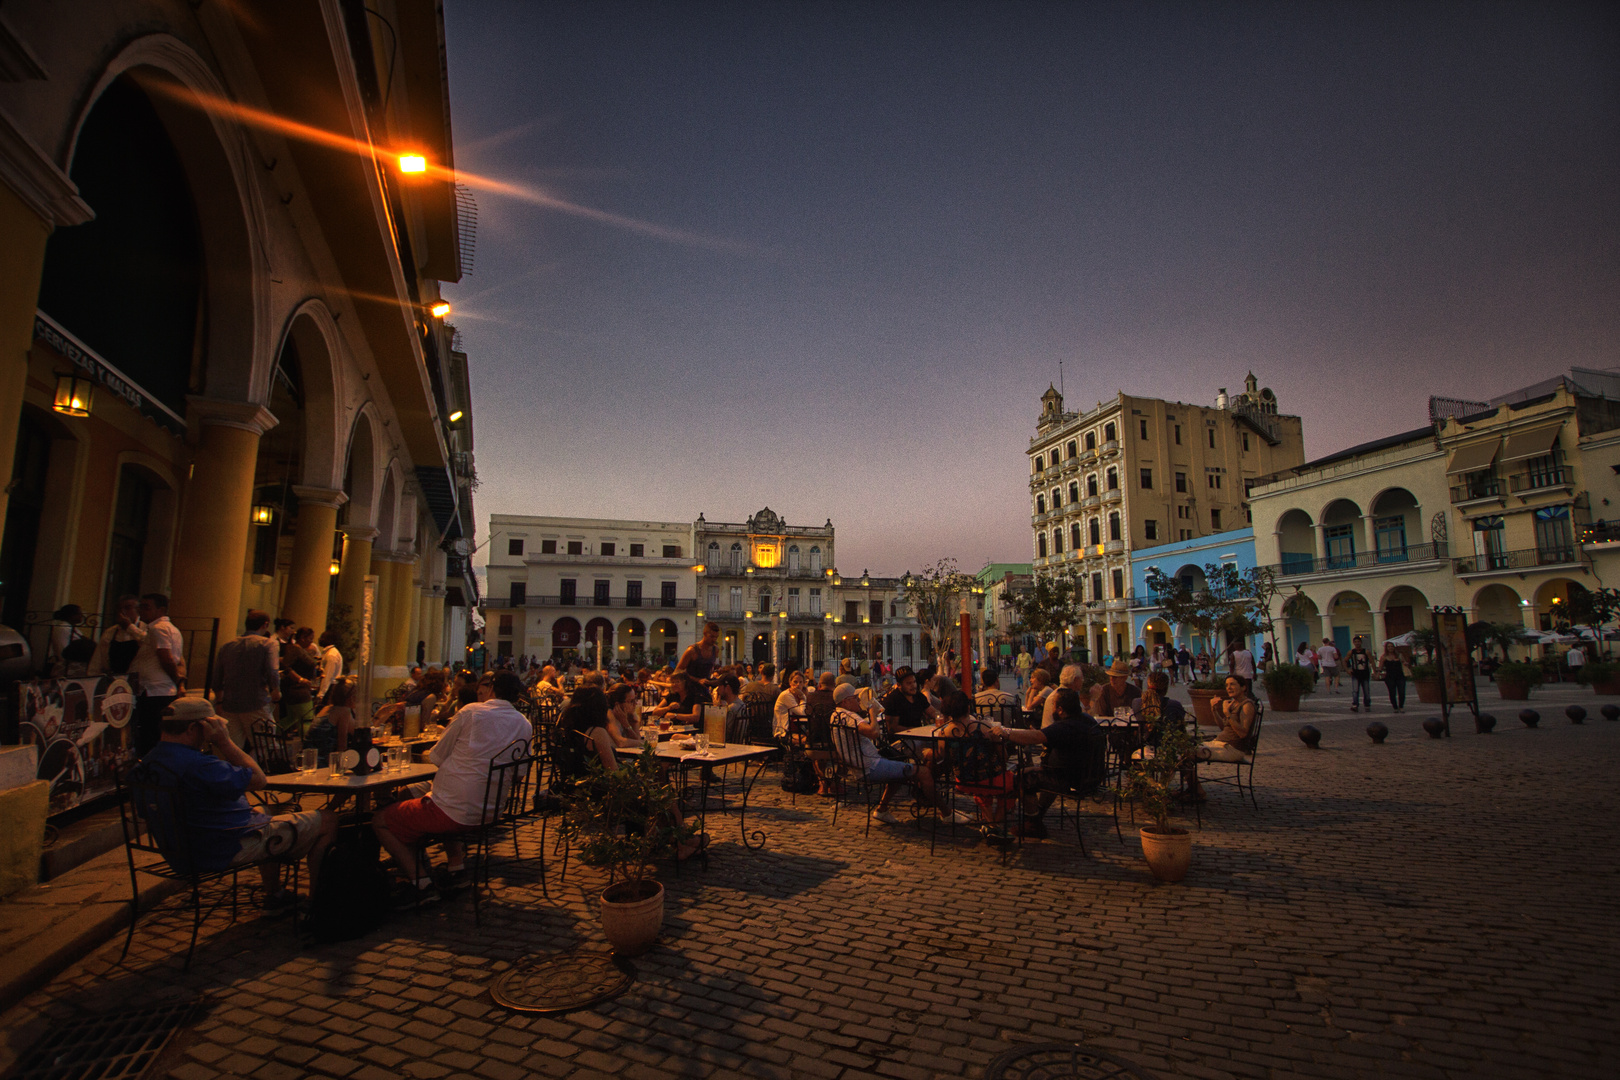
column 225, row 831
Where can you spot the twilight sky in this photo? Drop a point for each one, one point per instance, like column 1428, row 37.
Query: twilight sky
column 833, row 253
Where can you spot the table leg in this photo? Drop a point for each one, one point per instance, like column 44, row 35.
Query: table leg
column 742, row 814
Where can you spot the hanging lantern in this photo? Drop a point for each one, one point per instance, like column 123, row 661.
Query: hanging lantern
column 336, row 568
column 263, row 515
column 73, row 395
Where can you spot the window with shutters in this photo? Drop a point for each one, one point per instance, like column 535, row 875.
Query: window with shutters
column 519, row 594
column 666, row 593
column 514, row 546
column 632, row 594
column 599, row 592
column 576, row 547
column 607, row 549
column 638, row 551
column 548, row 547
column 566, row 591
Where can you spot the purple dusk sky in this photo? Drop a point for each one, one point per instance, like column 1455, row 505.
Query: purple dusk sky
column 826, row 257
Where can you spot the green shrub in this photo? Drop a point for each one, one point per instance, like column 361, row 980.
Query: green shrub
column 1425, row 671
column 1289, row 679
column 1215, row 683
column 1519, row 672
column 1597, row 671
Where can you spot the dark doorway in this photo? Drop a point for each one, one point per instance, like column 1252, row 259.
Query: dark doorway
column 126, row 553
column 21, row 539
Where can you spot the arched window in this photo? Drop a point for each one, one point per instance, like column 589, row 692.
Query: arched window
column 1074, row 449
column 1096, row 531
column 1074, row 536
column 1057, row 498
column 1040, row 462
column 1057, row 540
column 1040, row 544
column 736, row 558
column 1108, row 432
column 1113, row 479
column 1040, row 504
column 1113, row 526
column 1074, row 492
column 714, row 557
column 793, row 559
column 1091, row 484
column 1091, row 440
column 815, row 560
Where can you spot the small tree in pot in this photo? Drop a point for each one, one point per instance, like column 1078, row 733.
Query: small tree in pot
column 1515, row 679
column 1152, row 781
column 1286, row 683
column 624, row 821
column 1601, row 675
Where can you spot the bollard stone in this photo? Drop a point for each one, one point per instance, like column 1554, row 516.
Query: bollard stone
column 1529, row 717
column 1576, row 714
column 1378, row 731
column 1611, row 711
column 1435, row 726
column 1484, row 723
column 1310, row 736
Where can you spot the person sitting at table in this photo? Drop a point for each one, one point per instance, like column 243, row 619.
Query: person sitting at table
column 938, row 688
column 329, row 733
column 727, row 692
column 684, row 702
column 906, row 706
column 1157, row 696
column 1235, row 715
column 876, row 768
column 992, row 693
column 763, row 684
column 1072, row 742
column 1040, row 688
column 223, row 830
column 789, row 702
column 1117, row 693
column 846, row 674
column 981, row 766
column 454, row 801
column 1070, row 677
column 624, row 714
column 550, row 684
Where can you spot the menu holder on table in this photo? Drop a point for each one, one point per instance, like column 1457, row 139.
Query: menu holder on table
column 714, row 724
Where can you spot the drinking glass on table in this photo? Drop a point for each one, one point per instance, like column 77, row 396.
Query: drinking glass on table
column 309, row 760
column 702, row 741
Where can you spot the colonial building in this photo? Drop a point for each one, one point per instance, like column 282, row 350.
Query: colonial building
column 224, row 373
column 1133, row 473
column 576, row 586
column 773, row 589
column 1185, row 560
column 1490, row 508
column 998, row 582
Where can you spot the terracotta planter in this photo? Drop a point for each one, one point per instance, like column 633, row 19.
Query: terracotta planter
column 1168, row 852
column 1513, row 691
column 1428, row 689
column 631, row 920
column 1201, row 707
column 1283, row 700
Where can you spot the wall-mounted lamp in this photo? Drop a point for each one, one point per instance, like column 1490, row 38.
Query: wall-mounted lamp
column 336, row 568
column 456, row 416
column 698, row 568
column 440, row 309
column 73, row 395
column 748, row 614
column 412, row 163
column 263, row 515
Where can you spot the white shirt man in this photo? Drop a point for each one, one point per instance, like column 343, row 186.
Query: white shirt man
column 1575, row 658
column 159, row 664
column 1243, row 663
column 331, row 667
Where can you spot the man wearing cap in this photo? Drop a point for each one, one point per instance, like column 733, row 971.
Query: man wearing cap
column 1117, row 693
column 224, row 831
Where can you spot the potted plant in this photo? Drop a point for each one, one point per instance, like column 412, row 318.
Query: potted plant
column 1602, row 676
column 1426, row 679
column 623, row 820
column 1515, row 678
column 1202, row 691
column 1152, row 780
column 1286, row 683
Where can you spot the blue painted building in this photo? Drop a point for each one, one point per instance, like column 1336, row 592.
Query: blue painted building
column 1184, row 559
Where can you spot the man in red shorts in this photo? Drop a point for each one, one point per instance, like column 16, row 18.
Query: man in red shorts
column 454, row 801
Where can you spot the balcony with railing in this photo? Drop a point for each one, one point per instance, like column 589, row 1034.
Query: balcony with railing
column 1091, row 502
column 1540, row 479
column 1602, row 532
column 678, row 603
column 1110, row 448
column 1492, row 562
column 1113, row 547
column 1478, row 488
column 1300, row 565
column 1113, row 495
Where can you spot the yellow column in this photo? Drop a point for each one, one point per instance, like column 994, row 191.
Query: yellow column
column 405, row 592
column 389, row 666
column 382, row 568
column 309, row 580
column 211, row 548
column 351, row 585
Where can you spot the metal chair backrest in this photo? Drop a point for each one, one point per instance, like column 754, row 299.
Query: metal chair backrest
column 737, row 725
column 847, row 747
column 818, row 726
column 153, row 812
column 270, row 747
column 1252, row 744
column 1008, row 715
column 651, row 696
column 973, row 758
column 1090, row 774
column 760, row 713
column 506, row 788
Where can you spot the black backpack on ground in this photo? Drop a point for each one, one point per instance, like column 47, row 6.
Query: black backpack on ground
column 351, row 899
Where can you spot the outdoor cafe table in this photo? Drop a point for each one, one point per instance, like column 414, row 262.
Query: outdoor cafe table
column 323, row 782
column 716, row 758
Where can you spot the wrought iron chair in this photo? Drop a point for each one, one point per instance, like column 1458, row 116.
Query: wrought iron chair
column 272, row 749
column 1080, row 784
column 973, row 765
column 1008, row 715
column 847, row 764
column 508, row 802
column 152, row 811
column 1242, row 775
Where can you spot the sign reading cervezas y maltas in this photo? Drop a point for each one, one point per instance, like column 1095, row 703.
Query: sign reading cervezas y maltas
column 84, row 358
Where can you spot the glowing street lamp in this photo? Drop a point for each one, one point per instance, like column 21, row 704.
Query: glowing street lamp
column 73, row 395
column 440, row 309
column 412, row 163
column 455, row 416
column 336, row 568
column 263, row 515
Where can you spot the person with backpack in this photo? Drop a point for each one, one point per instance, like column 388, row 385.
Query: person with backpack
column 1360, row 664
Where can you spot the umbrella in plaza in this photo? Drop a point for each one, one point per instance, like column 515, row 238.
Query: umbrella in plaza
column 1402, row 641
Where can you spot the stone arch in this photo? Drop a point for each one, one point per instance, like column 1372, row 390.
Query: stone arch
column 363, row 471
column 1404, row 608
column 312, row 334
column 1342, row 531
column 163, row 521
column 1296, row 542
column 1397, row 523
column 1350, row 616
column 387, row 512
column 217, row 157
column 663, row 638
column 632, row 637
column 1497, row 602
column 1552, row 600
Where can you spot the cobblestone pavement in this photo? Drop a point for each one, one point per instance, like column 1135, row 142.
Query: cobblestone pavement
column 1420, row 909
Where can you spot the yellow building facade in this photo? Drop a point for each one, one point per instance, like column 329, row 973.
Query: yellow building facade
column 210, row 242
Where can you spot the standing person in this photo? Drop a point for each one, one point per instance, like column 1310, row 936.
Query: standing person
column 64, row 652
column 160, row 666
column 1576, row 659
column 331, row 663
column 300, row 677
column 1360, row 664
column 1393, row 671
column 699, row 659
column 247, row 678
column 1242, row 661
column 1328, row 658
column 1184, row 662
column 1265, row 656
column 1305, row 656
column 121, row 641
column 1021, row 668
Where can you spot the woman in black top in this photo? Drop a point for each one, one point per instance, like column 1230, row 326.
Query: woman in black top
column 1394, row 676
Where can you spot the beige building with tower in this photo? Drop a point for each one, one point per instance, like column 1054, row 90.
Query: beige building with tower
column 1133, row 473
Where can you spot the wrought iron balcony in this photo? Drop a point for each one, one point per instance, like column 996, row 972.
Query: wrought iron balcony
column 1540, row 478
column 1298, row 565
column 1525, row 559
column 1485, row 487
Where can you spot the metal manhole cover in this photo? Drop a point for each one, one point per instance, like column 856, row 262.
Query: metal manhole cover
column 1062, row 1061
column 554, row 984
column 112, row 1046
